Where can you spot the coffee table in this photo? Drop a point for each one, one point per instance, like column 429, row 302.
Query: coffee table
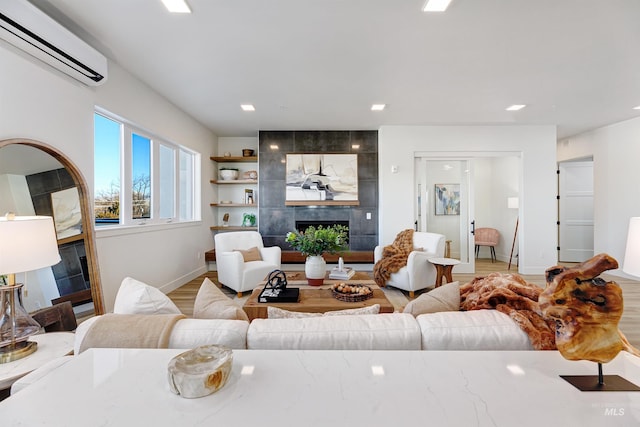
column 317, row 299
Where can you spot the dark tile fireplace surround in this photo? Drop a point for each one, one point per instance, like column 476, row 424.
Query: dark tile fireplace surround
column 276, row 219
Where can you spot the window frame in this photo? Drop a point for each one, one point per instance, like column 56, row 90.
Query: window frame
column 126, row 219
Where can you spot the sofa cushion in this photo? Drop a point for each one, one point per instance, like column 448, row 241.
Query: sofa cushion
column 471, row 330
column 135, row 297
column 393, row 331
column 190, row 333
column 278, row 313
column 442, row 298
column 212, row 303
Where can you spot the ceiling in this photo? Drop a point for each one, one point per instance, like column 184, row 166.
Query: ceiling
column 321, row 64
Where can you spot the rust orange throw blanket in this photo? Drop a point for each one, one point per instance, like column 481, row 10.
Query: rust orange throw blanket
column 130, row 331
column 394, row 257
column 512, row 295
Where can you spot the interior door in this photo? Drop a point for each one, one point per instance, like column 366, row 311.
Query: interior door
column 575, row 211
column 444, row 204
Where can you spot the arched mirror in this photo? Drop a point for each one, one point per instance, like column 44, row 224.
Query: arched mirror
column 37, row 179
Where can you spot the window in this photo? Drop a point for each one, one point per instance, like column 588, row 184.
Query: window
column 160, row 176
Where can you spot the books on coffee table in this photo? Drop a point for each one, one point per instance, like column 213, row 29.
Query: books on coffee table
column 345, row 274
column 279, row 295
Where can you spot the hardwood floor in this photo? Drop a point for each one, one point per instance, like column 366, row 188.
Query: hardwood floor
column 184, row 296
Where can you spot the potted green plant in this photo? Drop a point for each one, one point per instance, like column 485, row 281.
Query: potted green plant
column 313, row 242
column 249, row 220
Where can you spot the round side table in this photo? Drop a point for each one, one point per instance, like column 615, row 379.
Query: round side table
column 444, row 266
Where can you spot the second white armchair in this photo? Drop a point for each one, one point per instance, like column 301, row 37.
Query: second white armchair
column 419, row 273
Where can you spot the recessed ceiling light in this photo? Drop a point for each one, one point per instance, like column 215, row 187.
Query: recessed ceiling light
column 248, row 107
column 177, row 6
column 436, row 5
column 637, row 108
column 515, row 107
column 355, row 146
column 378, row 107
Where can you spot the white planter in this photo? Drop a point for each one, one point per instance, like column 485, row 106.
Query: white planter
column 315, row 269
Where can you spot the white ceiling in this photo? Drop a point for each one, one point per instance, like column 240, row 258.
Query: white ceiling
column 320, row 64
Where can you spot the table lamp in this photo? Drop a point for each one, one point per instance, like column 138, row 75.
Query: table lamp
column 26, row 243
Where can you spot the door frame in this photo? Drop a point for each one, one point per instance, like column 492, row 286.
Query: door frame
column 562, row 221
column 470, row 156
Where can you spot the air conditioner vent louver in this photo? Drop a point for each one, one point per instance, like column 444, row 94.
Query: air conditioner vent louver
column 26, row 27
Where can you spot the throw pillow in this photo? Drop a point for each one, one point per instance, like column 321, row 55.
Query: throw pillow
column 135, row 297
column 212, row 303
column 442, row 298
column 251, row 254
column 278, row 313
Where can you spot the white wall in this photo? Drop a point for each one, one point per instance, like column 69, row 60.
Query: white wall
column 615, row 150
column 536, row 146
column 39, row 103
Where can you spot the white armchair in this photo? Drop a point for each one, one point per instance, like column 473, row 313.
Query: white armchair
column 233, row 271
column 419, row 273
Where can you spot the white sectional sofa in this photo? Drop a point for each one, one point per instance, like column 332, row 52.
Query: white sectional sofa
column 473, row 330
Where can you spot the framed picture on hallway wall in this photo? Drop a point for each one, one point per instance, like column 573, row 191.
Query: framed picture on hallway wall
column 447, row 199
column 321, row 179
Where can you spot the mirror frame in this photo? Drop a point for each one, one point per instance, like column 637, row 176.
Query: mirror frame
column 85, row 207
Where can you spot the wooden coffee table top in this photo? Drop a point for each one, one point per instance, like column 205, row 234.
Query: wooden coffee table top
column 317, row 299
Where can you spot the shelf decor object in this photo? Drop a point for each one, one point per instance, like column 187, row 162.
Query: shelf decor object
column 28, row 243
column 228, row 174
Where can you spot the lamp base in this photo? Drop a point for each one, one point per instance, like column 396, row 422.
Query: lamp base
column 17, row 351
column 594, row 383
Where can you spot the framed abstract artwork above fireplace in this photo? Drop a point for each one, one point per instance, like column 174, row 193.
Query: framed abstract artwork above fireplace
column 321, row 179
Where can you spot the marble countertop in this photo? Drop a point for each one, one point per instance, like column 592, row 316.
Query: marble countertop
column 50, row 346
column 113, row 387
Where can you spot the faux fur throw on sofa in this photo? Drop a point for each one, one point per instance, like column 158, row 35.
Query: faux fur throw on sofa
column 394, row 257
column 512, row 295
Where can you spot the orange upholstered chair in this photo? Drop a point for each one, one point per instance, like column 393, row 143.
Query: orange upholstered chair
column 487, row 237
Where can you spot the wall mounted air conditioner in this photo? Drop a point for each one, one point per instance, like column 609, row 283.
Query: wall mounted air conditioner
column 28, row 28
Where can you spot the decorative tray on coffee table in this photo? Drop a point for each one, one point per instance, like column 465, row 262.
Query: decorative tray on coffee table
column 351, row 293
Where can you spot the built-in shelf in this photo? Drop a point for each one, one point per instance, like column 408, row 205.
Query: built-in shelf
column 234, row 181
column 233, row 192
column 233, row 228
column 228, row 159
column 235, row 205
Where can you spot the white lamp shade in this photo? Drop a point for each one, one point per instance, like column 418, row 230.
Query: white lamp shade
column 513, row 202
column 27, row 243
column 632, row 254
